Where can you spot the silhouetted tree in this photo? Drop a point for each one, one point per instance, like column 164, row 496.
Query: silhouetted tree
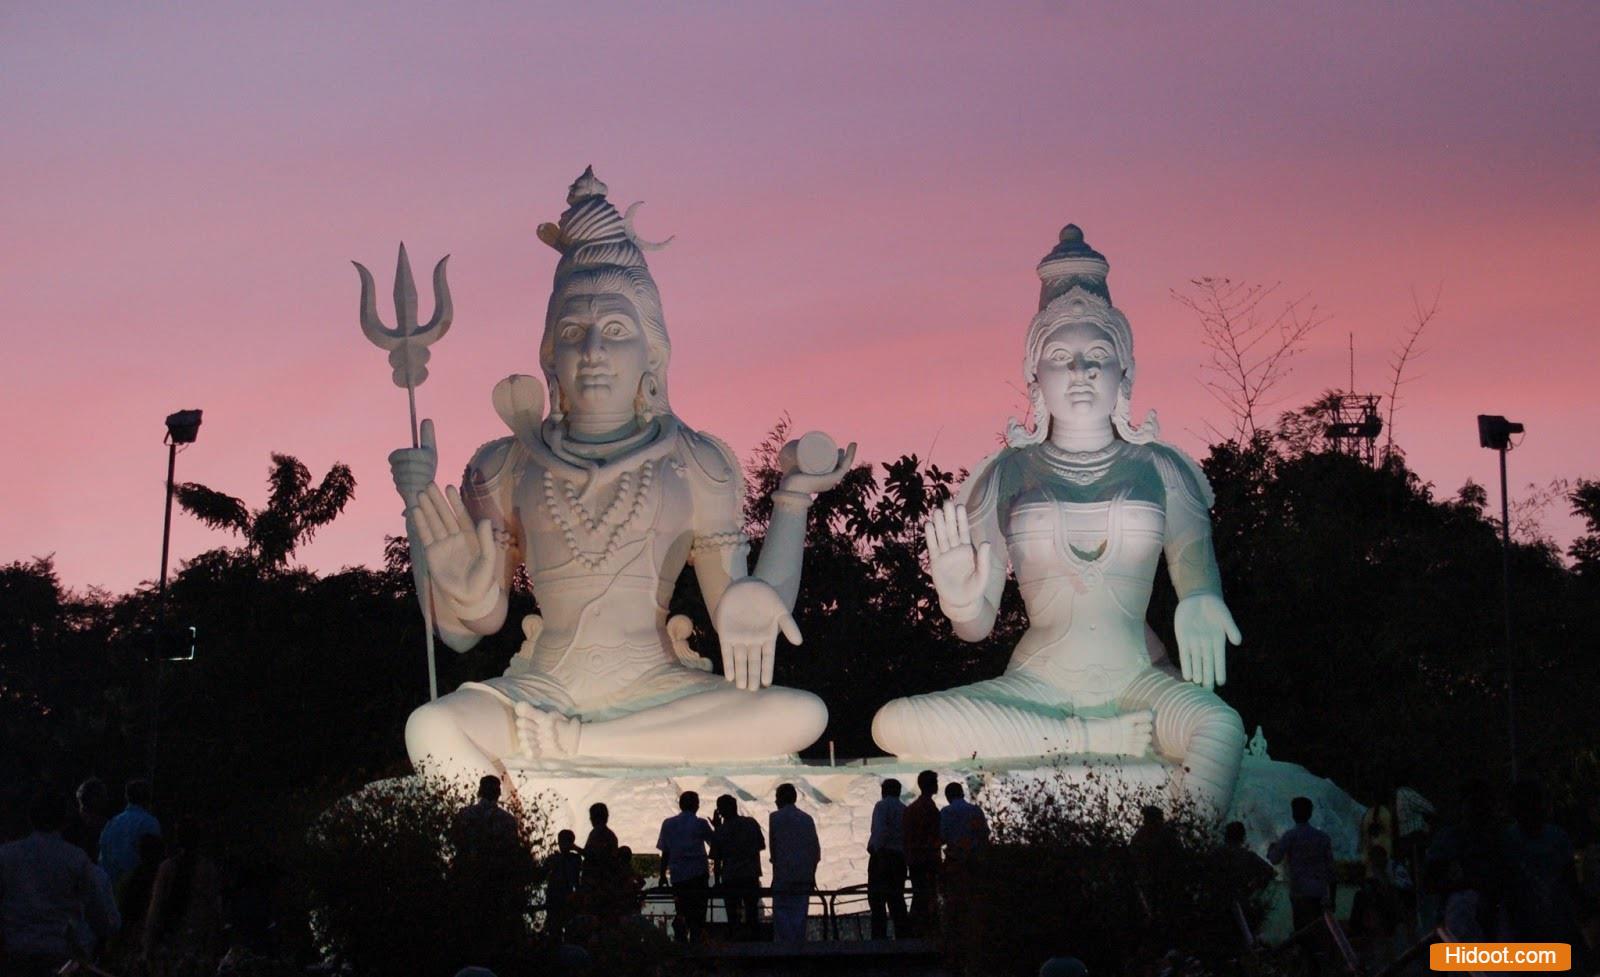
column 293, row 513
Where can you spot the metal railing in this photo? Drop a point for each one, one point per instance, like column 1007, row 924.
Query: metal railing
column 718, row 896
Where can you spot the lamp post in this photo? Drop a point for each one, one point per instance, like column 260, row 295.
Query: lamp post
column 183, row 427
column 1494, row 433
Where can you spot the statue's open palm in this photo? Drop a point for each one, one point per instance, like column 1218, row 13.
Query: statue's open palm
column 748, row 618
column 1204, row 627
column 461, row 556
column 959, row 570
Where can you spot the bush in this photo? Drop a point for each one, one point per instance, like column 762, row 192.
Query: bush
column 391, row 892
column 1071, row 872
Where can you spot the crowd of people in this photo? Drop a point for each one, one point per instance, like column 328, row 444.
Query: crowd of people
column 148, row 899
column 1481, row 876
column 721, row 861
column 143, row 899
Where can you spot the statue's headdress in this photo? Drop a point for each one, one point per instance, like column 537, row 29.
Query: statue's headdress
column 600, row 253
column 592, row 234
column 1073, row 287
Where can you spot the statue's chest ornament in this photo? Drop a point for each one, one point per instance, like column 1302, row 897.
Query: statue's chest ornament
column 1078, row 467
column 573, row 517
column 1077, row 525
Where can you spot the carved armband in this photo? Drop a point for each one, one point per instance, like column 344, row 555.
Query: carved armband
column 787, row 501
column 720, row 541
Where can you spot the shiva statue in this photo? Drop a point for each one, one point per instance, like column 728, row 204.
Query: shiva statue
column 1083, row 503
column 604, row 500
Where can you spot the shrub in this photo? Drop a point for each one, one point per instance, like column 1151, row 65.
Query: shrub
column 1070, row 873
column 391, row 893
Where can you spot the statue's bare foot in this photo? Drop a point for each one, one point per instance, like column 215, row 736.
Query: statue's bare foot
column 545, row 735
column 1126, row 735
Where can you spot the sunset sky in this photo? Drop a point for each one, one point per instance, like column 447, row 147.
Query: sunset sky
column 859, row 192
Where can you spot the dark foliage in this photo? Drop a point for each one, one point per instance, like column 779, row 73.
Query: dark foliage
column 1372, row 619
column 384, row 866
column 1069, row 873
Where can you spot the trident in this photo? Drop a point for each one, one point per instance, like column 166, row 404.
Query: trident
column 408, row 354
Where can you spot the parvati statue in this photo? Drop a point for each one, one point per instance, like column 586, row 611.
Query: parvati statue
column 1083, row 503
column 604, row 501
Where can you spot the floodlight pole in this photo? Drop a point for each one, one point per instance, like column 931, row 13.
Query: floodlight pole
column 1494, row 433
column 1505, row 587
column 161, row 619
column 182, row 428
column 166, row 528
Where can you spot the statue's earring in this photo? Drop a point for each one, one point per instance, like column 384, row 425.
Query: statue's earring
column 644, row 402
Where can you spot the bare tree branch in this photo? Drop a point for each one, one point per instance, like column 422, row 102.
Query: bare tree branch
column 1409, row 350
column 1252, row 343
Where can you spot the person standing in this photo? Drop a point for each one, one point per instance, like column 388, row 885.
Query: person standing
column 483, row 829
column 565, row 868
column 1243, row 874
column 183, row 924
column 796, row 853
column 886, row 864
column 48, row 890
column 604, row 871
column 962, row 826
column 922, row 853
column 491, row 872
column 119, row 842
column 682, row 844
column 1542, row 875
column 964, row 830
column 600, row 848
column 736, row 847
column 94, row 805
column 1309, row 853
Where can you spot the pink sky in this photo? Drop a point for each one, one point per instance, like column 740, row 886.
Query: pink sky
column 860, row 193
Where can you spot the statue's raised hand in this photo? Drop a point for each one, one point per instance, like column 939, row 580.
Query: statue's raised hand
column 1205, row 626
column 413, row 468
column 461, row 556
column 959, row 570
column 748, row 620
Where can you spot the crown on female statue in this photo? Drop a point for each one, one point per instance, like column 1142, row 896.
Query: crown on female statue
column 592, row 233
column 1073, row 264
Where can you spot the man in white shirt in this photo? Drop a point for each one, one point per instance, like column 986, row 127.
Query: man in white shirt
column 683, row 858
column 886, row 864
column 796, row 852
column 49, row 892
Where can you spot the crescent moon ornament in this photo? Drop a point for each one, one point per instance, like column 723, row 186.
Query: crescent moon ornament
column 639, row 242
